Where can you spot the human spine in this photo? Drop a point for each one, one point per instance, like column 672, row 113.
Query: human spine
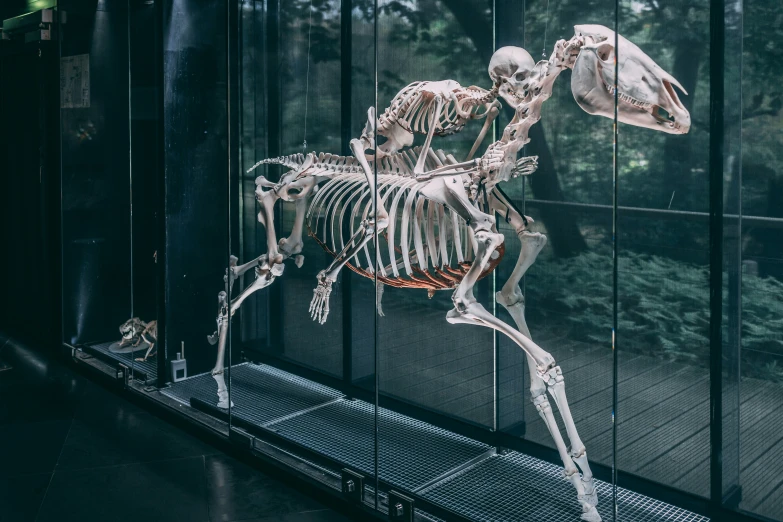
column 412, row 108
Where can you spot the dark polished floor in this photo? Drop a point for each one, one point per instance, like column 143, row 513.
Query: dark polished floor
column 71, row 449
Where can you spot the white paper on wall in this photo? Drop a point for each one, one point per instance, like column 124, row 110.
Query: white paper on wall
column 75, row 81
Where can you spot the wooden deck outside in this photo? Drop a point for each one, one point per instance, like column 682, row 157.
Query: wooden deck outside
column 663, row 412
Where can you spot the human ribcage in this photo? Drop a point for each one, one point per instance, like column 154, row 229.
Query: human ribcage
column 413, row 109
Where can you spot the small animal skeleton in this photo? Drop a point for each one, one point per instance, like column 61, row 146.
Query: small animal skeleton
column 134, row 331
column 131, row 332
column 435, row 216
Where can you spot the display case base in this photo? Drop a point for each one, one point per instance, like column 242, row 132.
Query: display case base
column 514, row 486
column 144, row 371
column 457, row 474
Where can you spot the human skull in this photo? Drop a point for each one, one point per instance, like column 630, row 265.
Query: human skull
column 646, row 94
column 512, row 68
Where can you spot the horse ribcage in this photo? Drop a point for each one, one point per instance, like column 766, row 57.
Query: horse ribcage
column 429, row 246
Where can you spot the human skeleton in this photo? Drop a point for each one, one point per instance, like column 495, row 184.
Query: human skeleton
column 434, row 216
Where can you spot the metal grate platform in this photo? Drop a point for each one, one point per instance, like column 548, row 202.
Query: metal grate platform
column 261, row 394
column 148, row 368
column 411, row 453
column 447, row 469
column 518, row 487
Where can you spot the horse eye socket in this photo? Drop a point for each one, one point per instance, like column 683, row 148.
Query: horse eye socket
column 605, row 53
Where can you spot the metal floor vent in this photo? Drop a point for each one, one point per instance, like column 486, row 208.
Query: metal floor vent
column 411, row 453
column 447, row 469
column 261, row 394
column 515, row 486
column 149, row 368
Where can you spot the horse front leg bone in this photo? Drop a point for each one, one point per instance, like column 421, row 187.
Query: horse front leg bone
column 542, row 370
column 512, row 299
column 469, row 311
column 584, row 484
column 451, row 192
column 588, row 496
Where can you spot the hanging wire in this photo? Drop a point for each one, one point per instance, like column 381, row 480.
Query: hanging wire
column 546, row 28
column 307, row 78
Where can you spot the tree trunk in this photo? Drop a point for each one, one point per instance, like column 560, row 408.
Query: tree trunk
column 561, row 225
column 677, row 151
column 562, row 228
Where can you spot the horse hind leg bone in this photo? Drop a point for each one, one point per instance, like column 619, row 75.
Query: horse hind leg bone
column 265, row 276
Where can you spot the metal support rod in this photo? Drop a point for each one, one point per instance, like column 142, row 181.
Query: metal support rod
column 233, row 172
column 615, row 253
column 274, row 117
column 346, row 92
column 717, row 30
column 160, row 258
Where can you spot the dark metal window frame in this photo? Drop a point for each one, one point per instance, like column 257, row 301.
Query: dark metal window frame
column 717, row 506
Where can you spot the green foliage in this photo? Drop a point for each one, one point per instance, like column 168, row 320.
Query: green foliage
column 663, row 280
column 664, row 308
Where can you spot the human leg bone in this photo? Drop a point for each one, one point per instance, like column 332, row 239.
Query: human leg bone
column 319, row 305
column 467, row 309
column 436, row 114
column 510, row 295
column 379, row 299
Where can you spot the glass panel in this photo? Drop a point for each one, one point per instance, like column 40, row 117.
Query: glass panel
column 99, row 310
column 423, row 360
column 732, row 254
column 195, row 124
column 761, row 391
column 436, row 379
column 146, row 143
column 299, row 380
column 459, row 387
column 568, row 291
column 309, row 56
column 664, row 252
